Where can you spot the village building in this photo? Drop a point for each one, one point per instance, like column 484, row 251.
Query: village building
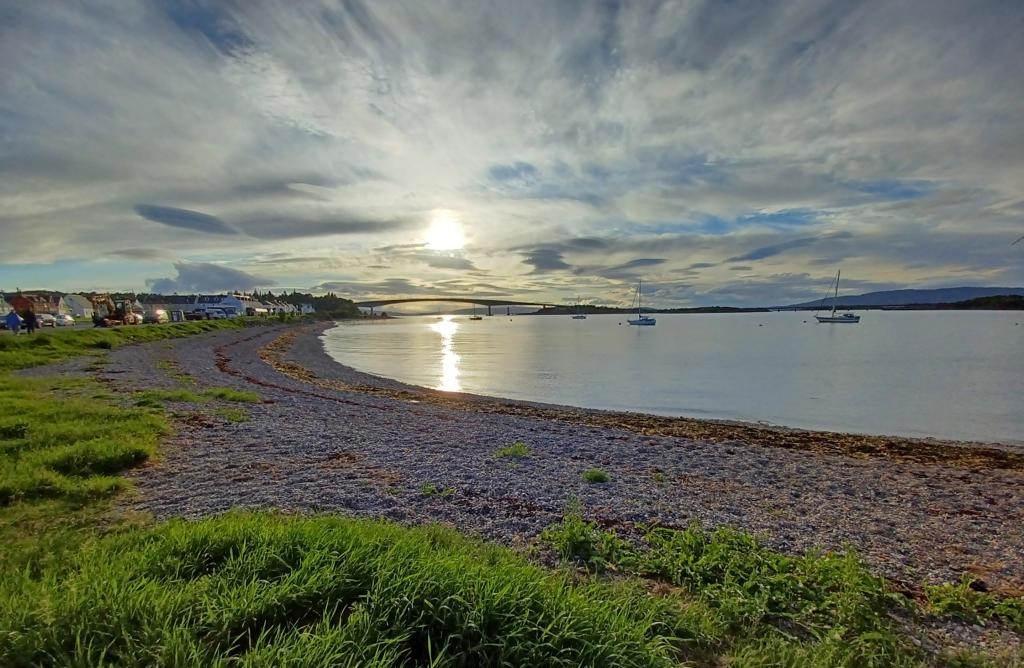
column 23, row 303
column 77, row 306
column 236, row 303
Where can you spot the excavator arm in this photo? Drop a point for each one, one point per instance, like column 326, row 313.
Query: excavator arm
column 107, row 313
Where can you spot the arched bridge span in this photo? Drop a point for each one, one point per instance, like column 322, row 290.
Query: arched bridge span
column 489, row 303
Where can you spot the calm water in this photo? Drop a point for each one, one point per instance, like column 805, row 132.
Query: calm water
column 955, row 375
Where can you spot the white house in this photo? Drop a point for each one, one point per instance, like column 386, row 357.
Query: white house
column 77, row 306
column 306, row 309
column 241, row 304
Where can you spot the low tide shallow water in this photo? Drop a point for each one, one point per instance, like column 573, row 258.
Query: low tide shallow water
column 952, row 375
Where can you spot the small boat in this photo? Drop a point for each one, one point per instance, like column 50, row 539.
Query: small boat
column 843, row 317
column 475, row 316
column 577, row 315
column 641, row 320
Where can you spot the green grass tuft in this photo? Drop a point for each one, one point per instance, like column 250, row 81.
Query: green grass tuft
column 514, row 450
column 964, row 602
column 596, row 476
column 229, row 394
column 233, row 414
column 430, row 489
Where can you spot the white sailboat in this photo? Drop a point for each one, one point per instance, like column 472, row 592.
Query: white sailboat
column 641, row 319
column 577, row 315
column 845, row 317
column 475, row 316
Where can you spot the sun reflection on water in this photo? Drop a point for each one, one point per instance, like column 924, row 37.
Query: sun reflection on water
column 449, row 359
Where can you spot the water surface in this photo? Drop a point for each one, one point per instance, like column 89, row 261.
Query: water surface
column 956, row 375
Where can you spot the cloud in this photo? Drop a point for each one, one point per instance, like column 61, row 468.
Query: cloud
column 544, row 260
column 283, row 227
column 360, row 291
column 139, row 253
column 445, row 262
column 206, row 277
column 520, row 171
column 772, row 250
column 585, row 136
column 184, row 218
column 624, row 271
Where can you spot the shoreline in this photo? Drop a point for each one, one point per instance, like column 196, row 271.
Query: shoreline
column 312, row 363
column 316, row 444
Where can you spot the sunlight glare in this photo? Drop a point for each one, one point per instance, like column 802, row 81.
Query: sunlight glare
column 445, row 233
column 449, row 358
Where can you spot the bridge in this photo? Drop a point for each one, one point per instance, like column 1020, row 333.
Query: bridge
column 489, row 303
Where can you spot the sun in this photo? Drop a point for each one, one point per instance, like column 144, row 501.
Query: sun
column 445, row 233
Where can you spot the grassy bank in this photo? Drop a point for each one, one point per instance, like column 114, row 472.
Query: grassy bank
column 265, row 589
column 64, row 439
column 23, row 351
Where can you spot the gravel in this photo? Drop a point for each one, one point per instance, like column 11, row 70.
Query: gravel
column 310, row 448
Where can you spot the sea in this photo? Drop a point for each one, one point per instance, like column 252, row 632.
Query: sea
column 955, row 375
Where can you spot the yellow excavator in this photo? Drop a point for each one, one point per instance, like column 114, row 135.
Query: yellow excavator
column 108, row 313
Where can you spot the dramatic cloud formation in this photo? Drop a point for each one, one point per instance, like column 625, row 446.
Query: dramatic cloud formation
column 185, row 219
column 725, row 153
column 205, row 277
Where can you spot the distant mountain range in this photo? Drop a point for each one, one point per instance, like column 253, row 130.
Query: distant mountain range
column 905, row 297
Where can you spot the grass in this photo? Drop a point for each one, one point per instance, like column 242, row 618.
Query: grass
column 232, row 414
column 596, row 476
column 229, row 394
column 430, row 489
column 56, row 441
column 265, row 589
column 963, row 601
column 515, row 450
column 174, row 371
column 20, row 352
column 155, row 398
column 256, row 590
column 748, row 603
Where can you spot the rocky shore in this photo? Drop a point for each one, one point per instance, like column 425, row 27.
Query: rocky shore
column 328, row 438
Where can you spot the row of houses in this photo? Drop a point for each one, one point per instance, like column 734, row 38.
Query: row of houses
column 80, row 306
column 235, row 302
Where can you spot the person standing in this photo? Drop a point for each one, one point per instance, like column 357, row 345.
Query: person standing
column 13, row 322
column 30, row 321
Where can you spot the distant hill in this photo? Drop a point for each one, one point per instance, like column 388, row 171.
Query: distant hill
column 916, row 297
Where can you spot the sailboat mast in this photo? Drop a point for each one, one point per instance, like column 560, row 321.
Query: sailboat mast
column 835, row 295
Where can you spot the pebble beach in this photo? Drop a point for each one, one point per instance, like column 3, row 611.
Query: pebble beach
column 327, row 438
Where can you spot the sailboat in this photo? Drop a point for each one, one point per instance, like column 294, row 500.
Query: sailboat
column 845, row 317
column 475, row 316
column 577, row 315
column 641, row 319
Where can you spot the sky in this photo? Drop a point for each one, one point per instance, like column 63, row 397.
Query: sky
column 736, row 152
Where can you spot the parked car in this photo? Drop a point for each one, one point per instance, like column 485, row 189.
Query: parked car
column 65, row 320
column 157, row 316
column 208, row 313
column 46, row 320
